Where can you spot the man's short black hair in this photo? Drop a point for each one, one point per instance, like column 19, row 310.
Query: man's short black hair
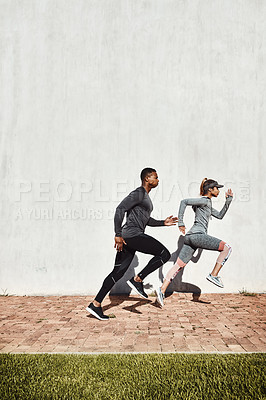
column 145, row 172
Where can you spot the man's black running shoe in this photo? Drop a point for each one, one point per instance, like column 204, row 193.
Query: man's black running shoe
column 137, row 287
column 97, row 312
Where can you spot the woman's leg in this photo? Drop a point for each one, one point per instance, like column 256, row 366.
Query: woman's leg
column 211, row 243
column 185, row 256
column 225, row 251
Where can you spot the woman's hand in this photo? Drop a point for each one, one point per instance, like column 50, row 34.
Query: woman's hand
column 182, row 229
column 229, row 193
column 119, row 242
column 170, row 221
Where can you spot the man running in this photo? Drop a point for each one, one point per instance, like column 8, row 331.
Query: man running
column 130, row 238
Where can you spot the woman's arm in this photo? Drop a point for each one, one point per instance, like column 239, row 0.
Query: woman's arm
column 221, row 214
column 202, row 201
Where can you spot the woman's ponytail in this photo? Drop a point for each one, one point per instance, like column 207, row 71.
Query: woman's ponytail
column 202, row 192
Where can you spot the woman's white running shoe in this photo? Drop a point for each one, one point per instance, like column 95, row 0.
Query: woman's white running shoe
column 216, row 280
column 160, row 296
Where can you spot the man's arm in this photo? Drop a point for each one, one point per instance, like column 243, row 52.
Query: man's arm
column 155, row 222
column 162, row 222
column 129, row 202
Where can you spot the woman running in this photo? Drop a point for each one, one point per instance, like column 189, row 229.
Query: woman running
column 197, row 237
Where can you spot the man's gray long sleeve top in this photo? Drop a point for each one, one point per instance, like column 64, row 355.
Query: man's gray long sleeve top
column 203, row 210
column 138, row 207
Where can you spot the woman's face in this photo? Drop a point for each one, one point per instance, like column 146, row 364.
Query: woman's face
column 214, row 191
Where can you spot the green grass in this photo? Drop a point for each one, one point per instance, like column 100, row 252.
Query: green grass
column 245, row 292
column 132, row 376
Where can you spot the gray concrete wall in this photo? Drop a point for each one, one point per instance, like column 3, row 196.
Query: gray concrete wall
column 92, row 92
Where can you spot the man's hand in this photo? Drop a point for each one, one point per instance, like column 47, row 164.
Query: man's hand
column 182, row 229
column 229, row 193
column 119, row 242
column 170, row 221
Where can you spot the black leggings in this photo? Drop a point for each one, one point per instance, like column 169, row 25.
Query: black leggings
column 143, row 243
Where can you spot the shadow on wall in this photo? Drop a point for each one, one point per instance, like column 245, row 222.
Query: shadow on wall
column 177, row 285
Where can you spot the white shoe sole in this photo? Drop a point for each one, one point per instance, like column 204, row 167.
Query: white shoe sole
column 158, row 298
column 135, row 290
column 210, row 280
column 95, row 314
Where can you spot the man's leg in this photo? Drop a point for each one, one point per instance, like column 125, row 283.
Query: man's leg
column 148, row 245
column 122, row 262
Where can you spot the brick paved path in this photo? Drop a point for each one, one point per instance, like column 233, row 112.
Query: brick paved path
column 224, row 323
